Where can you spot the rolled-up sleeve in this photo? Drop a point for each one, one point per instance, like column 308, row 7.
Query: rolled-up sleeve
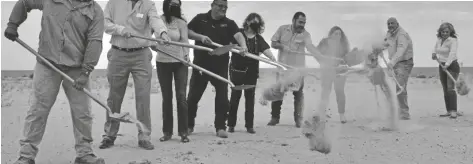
column 110, row 27
column 20, row 11
column 453, row 51
column 94, row 40
column 157, row 24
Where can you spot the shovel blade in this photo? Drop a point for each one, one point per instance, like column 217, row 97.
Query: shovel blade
column 223, row 50
column 122, row 117
column 243, row 87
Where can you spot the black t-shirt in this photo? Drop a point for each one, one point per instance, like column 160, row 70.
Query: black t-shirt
column 220, row 31
column 255, row 45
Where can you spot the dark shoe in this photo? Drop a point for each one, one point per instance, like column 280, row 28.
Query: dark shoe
column 453, row 115
column 298, row 123
column 251, row 130
column 147, row 145
column 231, row 129
column 273, row 122
column 106, row 143
column 165, row 137
column 343, row 119
column 184, row 139
column 405, row 118
column 89, row 159
column 222, row 133
column 24, row 160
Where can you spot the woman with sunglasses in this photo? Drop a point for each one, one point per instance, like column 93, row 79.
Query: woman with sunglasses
column 445, row 51
column 244, row 71
column 169, row 68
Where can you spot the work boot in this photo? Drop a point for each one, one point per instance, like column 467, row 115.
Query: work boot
column 231, row 129
column 24, row 160
column 89, row 159
column 273, row 121
column 145, row 144
column 106, row 143
column 222, row 133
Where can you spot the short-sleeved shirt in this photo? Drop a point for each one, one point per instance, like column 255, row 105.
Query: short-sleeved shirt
column 295, row 41
column 256, row 45
column 219, row 31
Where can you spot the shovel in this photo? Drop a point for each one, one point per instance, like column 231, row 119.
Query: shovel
column 253, row 56
column 460, row 85
column 218, row 51
column 122, row 117
column 393, row 76
column 240, row 87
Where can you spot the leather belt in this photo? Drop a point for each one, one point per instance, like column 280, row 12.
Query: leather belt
column 128, row 49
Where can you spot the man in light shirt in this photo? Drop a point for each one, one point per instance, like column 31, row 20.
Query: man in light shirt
column 292, row 38
column 401, row 51
column 130, row 55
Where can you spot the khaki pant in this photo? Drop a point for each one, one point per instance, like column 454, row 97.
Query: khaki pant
column 46, row 83
column 402, row 71
column 121, row 64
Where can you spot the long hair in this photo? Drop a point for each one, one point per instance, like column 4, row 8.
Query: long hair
column 167, row 12
column 251, row 17
column 453, row 34
column 345, row 45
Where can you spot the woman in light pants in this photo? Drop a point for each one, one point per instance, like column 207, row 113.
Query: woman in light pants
column 445, row 51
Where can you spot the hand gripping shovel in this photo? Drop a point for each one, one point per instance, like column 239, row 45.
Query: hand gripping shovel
column 393, row 76
column 122, row 117
column 252, row 56
column 460, row 85
column 240, row 87
column 217, row 51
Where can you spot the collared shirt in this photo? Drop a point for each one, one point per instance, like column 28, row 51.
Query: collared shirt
column 174, row 33
column 220, row 31
column 66, row 30
column 400, row 45
column 446, row 51
column 140, row 21
column 295, row 41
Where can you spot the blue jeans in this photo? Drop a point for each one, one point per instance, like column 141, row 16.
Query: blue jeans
column 166, row 72
column 298, row 103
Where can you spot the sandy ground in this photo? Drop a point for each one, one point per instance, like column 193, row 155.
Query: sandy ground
column 424, row 139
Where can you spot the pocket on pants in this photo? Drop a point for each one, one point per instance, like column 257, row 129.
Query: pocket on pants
column 238, row 74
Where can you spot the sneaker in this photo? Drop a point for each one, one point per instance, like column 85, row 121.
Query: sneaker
column 147, row 145
column 222, row 133
column 231, row 129
column 166, row 137
column 184, row 139
column 453, row 115
column 273, row 122
column 250, row 130
column 24, row 160
column 89, row 159
column 106, row 143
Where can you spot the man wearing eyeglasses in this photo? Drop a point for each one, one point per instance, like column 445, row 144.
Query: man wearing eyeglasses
column 206, row 28
column 400, row 50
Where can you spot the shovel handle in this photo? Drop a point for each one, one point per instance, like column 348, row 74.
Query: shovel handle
column 176, row 43
column 392, row 73
column 18, row 40
column 250, row 55
column 446, row 71
column 197, row 67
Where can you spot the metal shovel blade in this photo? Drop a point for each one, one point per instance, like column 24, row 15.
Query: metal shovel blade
column 223, row 50
column 243, row 87
column 122, row 117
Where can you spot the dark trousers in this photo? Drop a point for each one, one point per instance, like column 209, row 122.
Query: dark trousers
column 249, row 79
column 449, row 94
column 198, row 84
column 298, row 104
column 166, row 72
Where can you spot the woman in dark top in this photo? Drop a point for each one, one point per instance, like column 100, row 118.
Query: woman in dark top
column 335, row 45
column 244, row 71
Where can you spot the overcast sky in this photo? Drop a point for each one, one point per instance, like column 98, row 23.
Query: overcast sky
column 357, row 19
